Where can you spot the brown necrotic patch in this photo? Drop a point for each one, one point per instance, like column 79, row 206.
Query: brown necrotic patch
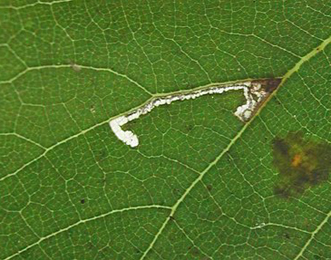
column 269, row 85
column 302, row 163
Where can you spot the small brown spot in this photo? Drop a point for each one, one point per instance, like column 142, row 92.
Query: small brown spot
column 195, row 251
column 82, row 201
column 189, row 128
column 287, row 236
column 209, row 187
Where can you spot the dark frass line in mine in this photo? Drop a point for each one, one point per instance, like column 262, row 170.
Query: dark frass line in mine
column 268, row 86
column 256, row 92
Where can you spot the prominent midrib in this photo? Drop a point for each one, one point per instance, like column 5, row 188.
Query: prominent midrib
column 233, row 141
column 152, row 96
column 286, row 76
column 200, row 177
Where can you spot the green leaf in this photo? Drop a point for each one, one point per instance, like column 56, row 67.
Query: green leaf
column 201, row 184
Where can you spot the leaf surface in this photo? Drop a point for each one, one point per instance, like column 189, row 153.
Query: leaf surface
column 201, row 184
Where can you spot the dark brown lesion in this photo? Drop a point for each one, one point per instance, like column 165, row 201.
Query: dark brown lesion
column 272, row 84
column 302, row 163
column 269, row 85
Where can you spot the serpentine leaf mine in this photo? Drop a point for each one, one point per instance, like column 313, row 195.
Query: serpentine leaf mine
column 255, row 93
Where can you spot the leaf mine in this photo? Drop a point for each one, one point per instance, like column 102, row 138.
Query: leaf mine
column 255, row 93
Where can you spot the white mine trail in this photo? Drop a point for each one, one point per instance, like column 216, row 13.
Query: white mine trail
column 253, row 93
